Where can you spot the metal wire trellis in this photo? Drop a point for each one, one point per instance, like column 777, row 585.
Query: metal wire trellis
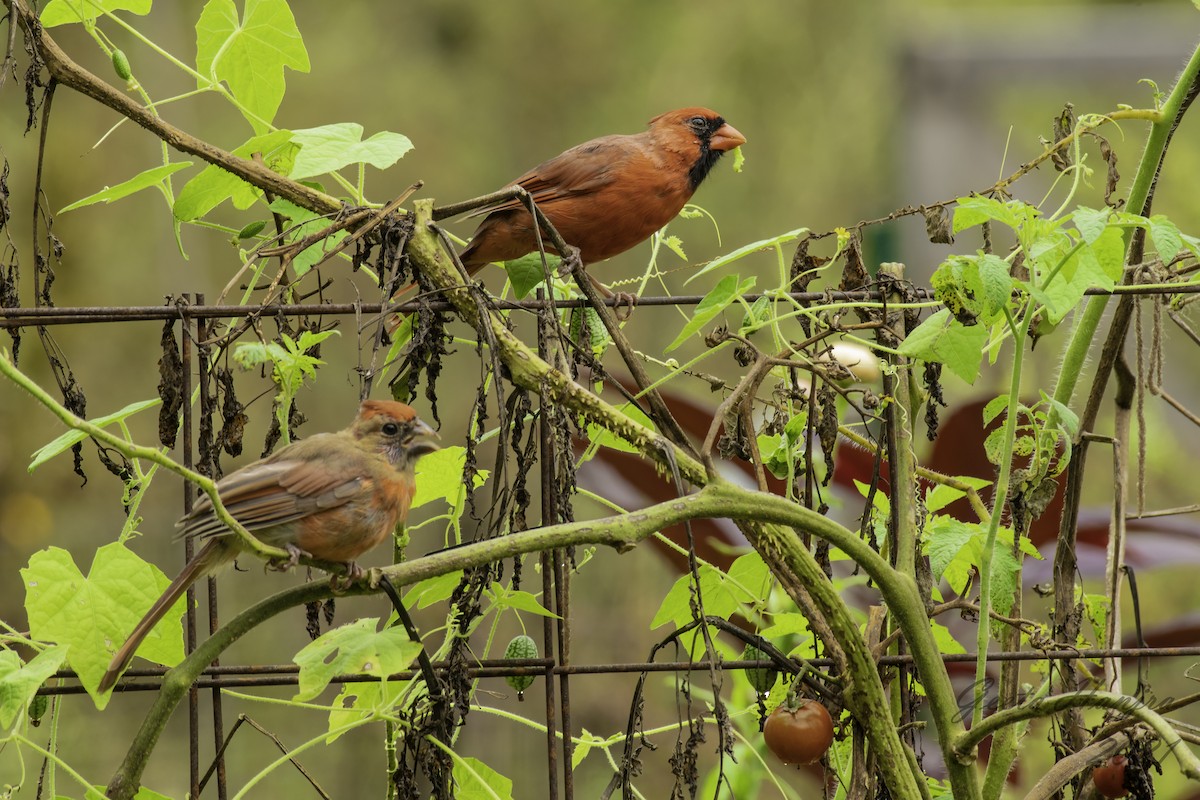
column 556, row 588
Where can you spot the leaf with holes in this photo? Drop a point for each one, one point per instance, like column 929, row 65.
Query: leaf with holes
column 354, row 649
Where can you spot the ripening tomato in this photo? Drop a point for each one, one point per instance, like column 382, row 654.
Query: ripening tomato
column 799, row 735
column 1110, row 777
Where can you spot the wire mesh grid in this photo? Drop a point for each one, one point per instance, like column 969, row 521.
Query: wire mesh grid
column 556, row 667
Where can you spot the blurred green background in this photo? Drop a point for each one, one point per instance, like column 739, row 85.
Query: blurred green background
column 851, row 110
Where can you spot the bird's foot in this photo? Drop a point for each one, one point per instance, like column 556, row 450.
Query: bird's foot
column 623, row 305
column 293, row 559
column 354, row 574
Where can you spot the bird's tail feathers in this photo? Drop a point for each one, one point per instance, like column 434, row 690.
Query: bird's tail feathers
column 213, row 555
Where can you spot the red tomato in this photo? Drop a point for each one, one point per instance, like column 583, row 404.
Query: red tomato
column 1110, row 778
column 800, row 735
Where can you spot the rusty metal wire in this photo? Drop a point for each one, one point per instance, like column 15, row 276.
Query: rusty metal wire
column 240, row 677
column 557, row 664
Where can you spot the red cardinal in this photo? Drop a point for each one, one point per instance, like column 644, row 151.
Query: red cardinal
column 609, row 194
column 332, row 496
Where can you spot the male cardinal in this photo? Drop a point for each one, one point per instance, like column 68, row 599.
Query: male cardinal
column 332, row 496
column 609, row 194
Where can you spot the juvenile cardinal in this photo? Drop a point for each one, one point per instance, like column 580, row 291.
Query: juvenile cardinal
column 609, row 194
column 332, row 496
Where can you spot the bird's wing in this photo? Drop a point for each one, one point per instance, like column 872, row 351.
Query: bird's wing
column 273, row 493
column 583, row 169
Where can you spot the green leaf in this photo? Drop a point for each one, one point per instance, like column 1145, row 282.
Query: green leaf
column 943, row 338
column 739, row 159
column 357, row 648
column 587, row 740
column 946, row 643
column 214, row 185
column 1166, row 237
column 1091, row 222
column 945, row 538
column 331, row 147
column 1098, row 264
column 676, row 606
column 972, row 211
column 143, row 180
column 62, row 12
column 941, row 496
column 72, row 437
column 304, row 223
column 603, row 437
column 432, row 590
column 996, row 282
column 956, row 548
column 1068, row 420
column 19, row 681
column 746, row 250
column 749, row 572
column 994, row 407
column 1109, row 252
column 717, row 300
column 93, row 615
column 526, row 273
column 440, row 476
column 362, row 701
column 475, row 780
column 675, row 245
column 786, row 623
column 519, row 600
column 250, row 54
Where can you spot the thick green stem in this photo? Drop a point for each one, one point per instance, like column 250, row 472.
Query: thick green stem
column 623, row 532
column 1188, row 763
column 1156, row 144
column 999, row 501
column 863, row 692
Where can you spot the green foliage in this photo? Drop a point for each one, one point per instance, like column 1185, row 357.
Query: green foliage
column 440, row 477
column 331, row 147
column 527, row 272
column 143, row 180
column 475, row 780
column 955, row 550
column 728, row 290
column 745, row 584
column 356, row 648
column 19, row 681
column 92, row 615
column 502, row 598
column 290, row 367
column 249, row 54
column 63, row 12
column 213, row 185
column 73, row 437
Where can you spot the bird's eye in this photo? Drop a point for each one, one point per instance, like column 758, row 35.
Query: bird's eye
column 697, row 123
column 390, row 429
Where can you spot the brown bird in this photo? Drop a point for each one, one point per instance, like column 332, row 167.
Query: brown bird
column 609, row 194
column 332, row 496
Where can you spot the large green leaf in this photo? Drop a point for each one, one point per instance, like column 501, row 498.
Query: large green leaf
column 357, row 648
column 250, row 53
column 94, row 614
column 331, row 147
